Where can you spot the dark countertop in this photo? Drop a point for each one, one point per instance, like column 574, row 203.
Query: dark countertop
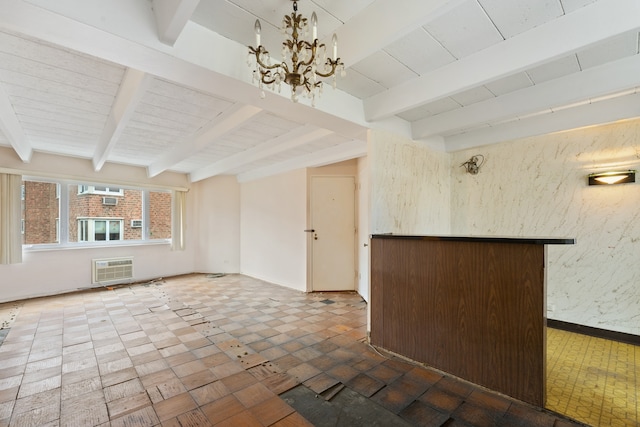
column 486, row 239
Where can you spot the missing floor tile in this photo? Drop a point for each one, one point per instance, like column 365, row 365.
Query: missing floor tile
column 3, row 335
column 327, row 301
column 8, row 313
column 331, row 392
column 346, row 408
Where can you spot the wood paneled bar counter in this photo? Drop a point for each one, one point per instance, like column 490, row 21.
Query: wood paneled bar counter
column 474, row 307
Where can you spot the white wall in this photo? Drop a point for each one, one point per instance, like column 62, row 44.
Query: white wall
column 52, row 272
column 217, row 206
column 538, row 187
column 273, row 217
column 49, row 272
column 409, row 188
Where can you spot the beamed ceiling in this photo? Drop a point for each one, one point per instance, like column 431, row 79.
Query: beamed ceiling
column 164, row 84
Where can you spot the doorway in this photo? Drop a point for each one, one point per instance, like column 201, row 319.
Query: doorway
column 332, row 233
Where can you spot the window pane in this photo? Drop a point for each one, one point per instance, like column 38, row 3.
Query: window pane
column 159, row 215
column 92, row 213
column 40, row 212
column 100, row 230
column 93, row 206
column 83, row 231
column 131, row 205
column 114, row 230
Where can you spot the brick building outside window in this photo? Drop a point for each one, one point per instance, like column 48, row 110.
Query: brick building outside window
column 40, row 212
column 96, row 213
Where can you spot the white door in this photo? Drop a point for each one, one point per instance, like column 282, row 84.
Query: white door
column 332, row 207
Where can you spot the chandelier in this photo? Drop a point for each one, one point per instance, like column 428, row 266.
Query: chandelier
column 302, row 63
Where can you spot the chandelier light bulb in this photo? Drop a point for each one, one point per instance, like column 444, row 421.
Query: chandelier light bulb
column 314, row 26
column 258, row 29
column 334, row 42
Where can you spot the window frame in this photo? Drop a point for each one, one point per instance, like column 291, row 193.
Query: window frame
column 91, row 189
column 91, row 228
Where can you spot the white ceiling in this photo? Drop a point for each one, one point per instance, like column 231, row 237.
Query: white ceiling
column 164, row 84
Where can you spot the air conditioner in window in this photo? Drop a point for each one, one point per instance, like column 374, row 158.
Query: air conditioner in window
column 136, row 223
column 109, row 201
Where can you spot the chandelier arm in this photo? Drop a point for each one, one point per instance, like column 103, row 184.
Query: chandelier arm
column 267, row 82
column 257, row 52
column 334, row 65
column 313, row 48
column 307, row 69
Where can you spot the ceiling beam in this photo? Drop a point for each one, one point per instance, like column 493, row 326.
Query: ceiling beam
column 171, row 18
column 81, row 26
column 594, row 82
column 371, row 29
column 338, row 153
column 568, row 34
column 590, row 114
column 11, row 127
column 226, row 122
column 132, row 88
column 296, row 138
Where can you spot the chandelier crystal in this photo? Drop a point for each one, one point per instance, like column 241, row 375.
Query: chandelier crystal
column 302, row 63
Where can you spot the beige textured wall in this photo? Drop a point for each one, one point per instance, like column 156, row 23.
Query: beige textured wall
column 410, row 186
column 538, row 187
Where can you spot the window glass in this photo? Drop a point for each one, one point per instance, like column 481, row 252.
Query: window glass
column 115, row 212
column 40, row 212
column 92, row 213
column 114, row 230
column 100, row 230
column 159, row 215
column 83, row 230
column 99, row 189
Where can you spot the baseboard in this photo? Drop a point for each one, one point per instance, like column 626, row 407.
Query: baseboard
column 594, row 332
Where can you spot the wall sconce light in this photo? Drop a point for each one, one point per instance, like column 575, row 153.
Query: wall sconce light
column 614, row 177
column 472, row 165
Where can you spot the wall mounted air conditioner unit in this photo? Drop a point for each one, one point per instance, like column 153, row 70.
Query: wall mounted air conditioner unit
column 111, row 270
column 136, row 223
column 109, row 201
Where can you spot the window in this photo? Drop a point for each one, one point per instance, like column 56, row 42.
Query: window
column 159, row 215
column 96, row 189
column 96, row 230
column 69, row 213
column 40, row 212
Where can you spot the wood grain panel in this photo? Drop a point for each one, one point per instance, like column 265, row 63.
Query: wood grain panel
column 474, row 309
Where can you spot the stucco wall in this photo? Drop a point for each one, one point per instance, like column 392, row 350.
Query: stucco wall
column 538, row 187
column 410, row 188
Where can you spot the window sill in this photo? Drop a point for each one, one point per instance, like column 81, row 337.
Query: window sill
column 94, row 245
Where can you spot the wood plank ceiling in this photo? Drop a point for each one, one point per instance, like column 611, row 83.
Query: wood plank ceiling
column 164, row 85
